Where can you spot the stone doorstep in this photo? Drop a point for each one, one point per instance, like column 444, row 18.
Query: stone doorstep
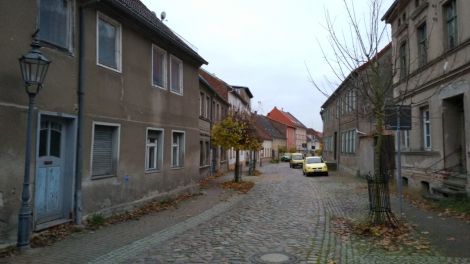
column 446, row 192
column 455, row 183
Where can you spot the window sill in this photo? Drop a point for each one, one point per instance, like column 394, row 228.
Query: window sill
column 177, row 168
column 420, row 153
column 151, row 171
column 109, row 68
column 177, row 93
column 100, row 177
column 204, row 166
column 159, row 87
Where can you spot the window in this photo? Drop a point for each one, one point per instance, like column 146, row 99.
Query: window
column 208, row 153
column 55, row 22
column 201, row 153
column 422, row 45
column 426, row 128
column 208, row 107
column 201, row 104
column 223, row 154
column 158, row 67
column 451, row 23
column 109, row 42
column 154, row 149
column 105, row 150
column 177, row 149
column 404, row 139
column 403, row 60
column 176, row 75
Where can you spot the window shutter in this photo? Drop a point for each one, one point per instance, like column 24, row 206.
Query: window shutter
column 103, row 160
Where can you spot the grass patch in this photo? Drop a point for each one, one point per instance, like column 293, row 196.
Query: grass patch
column 461, row 206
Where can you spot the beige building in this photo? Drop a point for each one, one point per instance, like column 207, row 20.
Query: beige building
column 135, row 85
column 348, row 126
column 213, row 108
column 431, row 44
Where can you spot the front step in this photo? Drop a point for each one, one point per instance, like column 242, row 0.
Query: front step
column 455, row 183
column 450, row 193
column 453, row 187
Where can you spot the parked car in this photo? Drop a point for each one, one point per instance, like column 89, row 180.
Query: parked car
column 286, row 157
column 297, row 160
column 314, row 165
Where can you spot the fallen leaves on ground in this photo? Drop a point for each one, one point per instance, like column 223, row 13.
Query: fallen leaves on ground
column 149, row 208
column 52, row 235
column 242, row 187
column 388, row 238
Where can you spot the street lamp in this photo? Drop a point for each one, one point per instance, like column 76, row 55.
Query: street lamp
column 33, row 67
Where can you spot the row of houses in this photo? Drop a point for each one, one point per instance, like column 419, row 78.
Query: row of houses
column 429, row 62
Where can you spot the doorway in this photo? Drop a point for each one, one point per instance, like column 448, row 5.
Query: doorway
column 453, row 118
column 55, row 160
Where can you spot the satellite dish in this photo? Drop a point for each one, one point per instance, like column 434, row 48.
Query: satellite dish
column 163, row 15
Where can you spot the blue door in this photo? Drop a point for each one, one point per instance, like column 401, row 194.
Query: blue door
column 49, row 177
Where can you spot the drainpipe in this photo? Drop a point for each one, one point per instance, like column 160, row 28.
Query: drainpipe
column 80, row 99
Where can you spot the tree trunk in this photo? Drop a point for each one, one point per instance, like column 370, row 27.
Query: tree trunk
column 237, row 166
column 379, row 196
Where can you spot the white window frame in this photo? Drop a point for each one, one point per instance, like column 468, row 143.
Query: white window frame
column 426, row 145
column 165, row 67
column 159, row 149
column 70, row 27
column 180, row 81
column 118, row 146
column 118, row 25
column 183, row 148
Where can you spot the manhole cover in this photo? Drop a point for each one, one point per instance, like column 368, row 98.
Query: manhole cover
column 273, row 258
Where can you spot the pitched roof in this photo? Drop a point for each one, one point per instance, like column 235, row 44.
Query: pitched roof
column 295, row 120
column 266, row 124
column 137, row 10
column 311, row 131
column 280, row 127
column 260, row 131
column 219, row 86
column 209, row 86
column 247, row 90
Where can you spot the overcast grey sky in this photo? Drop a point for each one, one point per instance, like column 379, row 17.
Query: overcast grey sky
column 263, row 44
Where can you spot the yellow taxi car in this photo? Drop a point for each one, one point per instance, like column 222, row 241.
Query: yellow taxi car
column 297, row 159
column 314, row 165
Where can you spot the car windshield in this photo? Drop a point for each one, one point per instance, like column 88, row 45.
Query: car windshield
column 296, row 157
column 314, row 160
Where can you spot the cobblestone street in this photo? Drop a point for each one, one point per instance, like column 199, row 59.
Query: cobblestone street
column 286, row 218
column 285, row 213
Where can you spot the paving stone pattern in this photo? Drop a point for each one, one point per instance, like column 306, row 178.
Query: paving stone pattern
column 285, row 212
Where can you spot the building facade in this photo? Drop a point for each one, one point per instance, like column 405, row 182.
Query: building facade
column 348, row 126
column 116, row 123
column 431, row 41
column 296, row 131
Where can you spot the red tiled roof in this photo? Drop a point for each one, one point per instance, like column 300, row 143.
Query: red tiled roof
column 220, row 87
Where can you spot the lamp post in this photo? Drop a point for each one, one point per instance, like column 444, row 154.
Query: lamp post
column 33, row 67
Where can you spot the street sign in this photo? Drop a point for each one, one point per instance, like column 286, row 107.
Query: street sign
column 397, row 115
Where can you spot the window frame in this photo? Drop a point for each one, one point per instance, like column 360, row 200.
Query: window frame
column 422, row 41
column 427, row 145
column 160, row 149
column 165, row 67
column 403, row 59
column 118, row 54
column 70, row 27
column 183, row 148
column 180, row 69
column 447, row 21
column 116, row 143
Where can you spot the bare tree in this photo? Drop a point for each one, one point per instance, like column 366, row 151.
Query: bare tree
column 358, row 62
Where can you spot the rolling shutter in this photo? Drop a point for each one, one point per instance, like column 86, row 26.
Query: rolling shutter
column 103, row 151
